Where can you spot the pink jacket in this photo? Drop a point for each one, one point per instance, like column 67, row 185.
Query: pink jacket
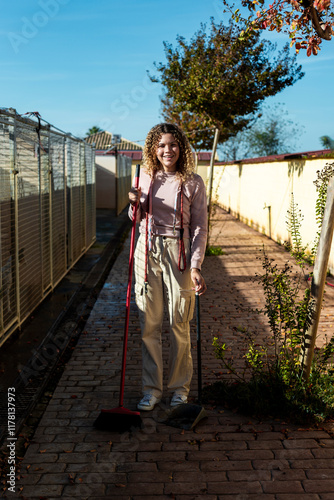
column 165, row 206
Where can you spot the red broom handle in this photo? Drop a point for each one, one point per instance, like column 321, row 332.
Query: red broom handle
column 128, row 294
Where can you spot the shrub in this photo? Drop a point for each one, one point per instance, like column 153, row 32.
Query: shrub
column 272, row 382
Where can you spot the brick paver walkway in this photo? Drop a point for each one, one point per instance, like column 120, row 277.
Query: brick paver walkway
column 227, row 457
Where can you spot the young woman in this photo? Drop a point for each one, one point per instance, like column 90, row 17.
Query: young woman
column 172, row 214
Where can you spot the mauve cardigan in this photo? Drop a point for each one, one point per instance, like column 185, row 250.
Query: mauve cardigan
column 195, row 221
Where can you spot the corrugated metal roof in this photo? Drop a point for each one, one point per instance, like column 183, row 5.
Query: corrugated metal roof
column 103, row 141
column 285, row 156
column 204, row 156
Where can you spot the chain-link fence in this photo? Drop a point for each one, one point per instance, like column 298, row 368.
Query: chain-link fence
column 47, row 212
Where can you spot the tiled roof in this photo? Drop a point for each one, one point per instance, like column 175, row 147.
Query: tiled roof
column 135, row 155
column 103, row 141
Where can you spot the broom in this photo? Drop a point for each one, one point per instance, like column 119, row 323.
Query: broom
column 121, row 419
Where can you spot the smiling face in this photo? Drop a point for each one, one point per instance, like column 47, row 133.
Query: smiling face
column 168, row 152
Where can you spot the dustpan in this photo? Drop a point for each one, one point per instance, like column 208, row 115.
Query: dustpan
column 187, row 415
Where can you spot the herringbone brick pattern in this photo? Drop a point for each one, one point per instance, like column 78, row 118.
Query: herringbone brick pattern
column 227, row 457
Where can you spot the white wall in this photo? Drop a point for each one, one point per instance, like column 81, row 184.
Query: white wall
column 123, row 181
column 113, row 181
column 245, row 189
column 105, row 181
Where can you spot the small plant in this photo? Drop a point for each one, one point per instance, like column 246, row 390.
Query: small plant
column 214, row 251
column 293, row 223
column 255, row 357
column 220, row 350
column 321, row 184
column 271, row 382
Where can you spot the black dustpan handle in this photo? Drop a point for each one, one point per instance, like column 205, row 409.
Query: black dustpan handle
column 199, row 349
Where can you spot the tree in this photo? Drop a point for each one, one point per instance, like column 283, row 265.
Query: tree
column 307, row 22
column 189, row 122
column 218, row 80
column 327, row 142
column 94, row 130
column 272, row 134
column 235, row 148
column 267, row 141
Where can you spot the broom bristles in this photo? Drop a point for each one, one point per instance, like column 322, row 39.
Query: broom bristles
column 118, row 420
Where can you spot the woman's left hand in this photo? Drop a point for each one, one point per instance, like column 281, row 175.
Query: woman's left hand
column 198, row 280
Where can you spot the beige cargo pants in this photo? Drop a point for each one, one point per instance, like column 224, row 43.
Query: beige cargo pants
column 166, row 285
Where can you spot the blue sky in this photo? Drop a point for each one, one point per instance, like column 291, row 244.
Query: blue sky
column 81, row 63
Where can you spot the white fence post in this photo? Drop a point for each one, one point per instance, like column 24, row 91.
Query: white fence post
column 212, row 162
column 319, row 280
column 14, row 170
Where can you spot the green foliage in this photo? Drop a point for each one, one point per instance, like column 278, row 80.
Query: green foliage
column 266, row 142
column 294, row 222
column 321, row 184
column 271, row 134
column 255, row 356
column 214, row 251
column 94, row 130
column 220, row 350
column 271, row 382
column 327, row 142
column 218, row 80
column 288, row 315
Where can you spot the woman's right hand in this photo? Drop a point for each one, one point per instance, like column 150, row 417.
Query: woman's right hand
column 134, row 195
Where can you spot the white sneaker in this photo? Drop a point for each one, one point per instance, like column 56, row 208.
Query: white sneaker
column 148, row 402
column 178, row 399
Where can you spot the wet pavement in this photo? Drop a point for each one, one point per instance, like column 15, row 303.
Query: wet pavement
column 31, row 354
column 227, row 456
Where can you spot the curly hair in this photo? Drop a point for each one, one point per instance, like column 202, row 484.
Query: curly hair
column 185, row 163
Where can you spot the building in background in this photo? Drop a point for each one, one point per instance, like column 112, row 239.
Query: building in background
column 116, row 159
column 113, row 169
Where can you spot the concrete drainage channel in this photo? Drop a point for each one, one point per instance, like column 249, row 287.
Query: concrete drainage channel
column 39, row 377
